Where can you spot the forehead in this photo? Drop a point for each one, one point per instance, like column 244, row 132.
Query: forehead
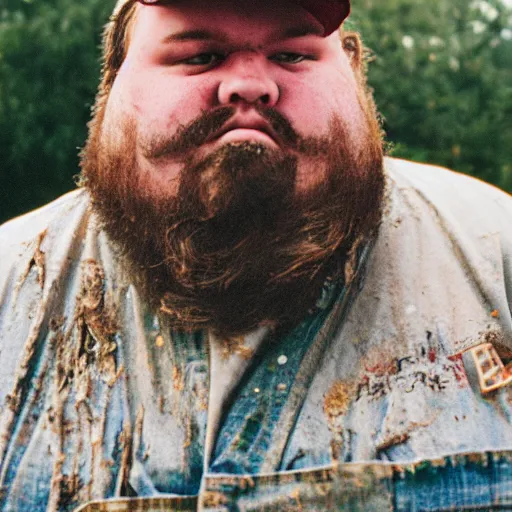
column 258, row 19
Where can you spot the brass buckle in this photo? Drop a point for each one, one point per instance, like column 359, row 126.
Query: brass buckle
column 492, row 372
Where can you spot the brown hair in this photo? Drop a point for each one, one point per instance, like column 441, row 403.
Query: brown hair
column 116, row 38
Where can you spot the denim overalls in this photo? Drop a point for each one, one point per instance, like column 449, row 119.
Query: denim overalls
column 372, row 403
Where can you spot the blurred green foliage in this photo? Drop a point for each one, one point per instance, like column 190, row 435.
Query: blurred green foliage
column 49, row 68
column 441, row 71
column 442, row 75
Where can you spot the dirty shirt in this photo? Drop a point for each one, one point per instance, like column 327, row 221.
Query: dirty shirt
column 371, row 403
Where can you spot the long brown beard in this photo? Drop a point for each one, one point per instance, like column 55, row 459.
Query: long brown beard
column 237, row 247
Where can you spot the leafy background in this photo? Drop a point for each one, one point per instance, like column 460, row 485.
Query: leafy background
column 441, row 72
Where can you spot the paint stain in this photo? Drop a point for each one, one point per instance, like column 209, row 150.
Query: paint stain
column 458, row 370
column 338, row 399
column 235, row 345
column 389, row 438
column 177, row 379
column 212, row 499
column 378, row 361
column 393, row 441
column 249, row 432
column 81, row 358
column 85, row 355
column 38, row 261
column 95, row 322
column 295, row 495
column 336, row 403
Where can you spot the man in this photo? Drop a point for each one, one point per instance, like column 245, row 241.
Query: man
column 245, row 306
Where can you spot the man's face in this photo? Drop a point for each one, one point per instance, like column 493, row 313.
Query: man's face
column 236, row 161
column 195, row 56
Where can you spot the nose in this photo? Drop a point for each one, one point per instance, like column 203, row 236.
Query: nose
column 247, row 81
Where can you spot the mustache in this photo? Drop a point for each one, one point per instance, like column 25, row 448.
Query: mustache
column 194, row 134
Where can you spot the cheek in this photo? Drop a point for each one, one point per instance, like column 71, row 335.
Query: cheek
column 160, row 102
column 311, row 103
column 157, row 108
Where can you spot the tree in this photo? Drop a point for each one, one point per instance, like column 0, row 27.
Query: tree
column 442, row 76
column 49, row 68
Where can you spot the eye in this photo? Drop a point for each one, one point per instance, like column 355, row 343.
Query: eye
column 289, row 58
column 207, row 59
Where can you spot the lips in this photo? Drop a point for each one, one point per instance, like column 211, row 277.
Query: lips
column 244, row 127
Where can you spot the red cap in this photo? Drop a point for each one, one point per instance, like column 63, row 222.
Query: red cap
column 330, row 13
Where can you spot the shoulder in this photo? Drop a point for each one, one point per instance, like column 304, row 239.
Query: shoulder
column 49, row 228
column 440, row 180
column 452, row 196
column 23, row 229
column 38, row 252
column 454, row 227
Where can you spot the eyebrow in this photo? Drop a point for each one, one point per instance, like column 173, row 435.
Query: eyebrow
column 209, row 35
column 301, row 31
column 195, row 35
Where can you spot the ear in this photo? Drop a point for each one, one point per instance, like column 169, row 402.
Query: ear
column 353, row 47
